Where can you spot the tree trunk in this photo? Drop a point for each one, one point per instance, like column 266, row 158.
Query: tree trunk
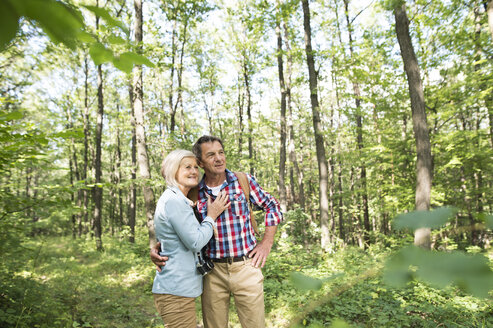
column 98, row 189
column 143, row 160
column 420, row 125
column 74, row 172
column 359, row 128
column 282, row 85
column 294, row 169
column 317, row 128
column 246, row 76
column 84, row 217
column 132, row 196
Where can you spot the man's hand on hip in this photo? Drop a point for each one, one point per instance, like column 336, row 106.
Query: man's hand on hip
column 261, row 251
column 158, row 260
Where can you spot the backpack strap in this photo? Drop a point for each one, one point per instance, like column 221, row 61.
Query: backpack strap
column 245, row 186
column 193, row 194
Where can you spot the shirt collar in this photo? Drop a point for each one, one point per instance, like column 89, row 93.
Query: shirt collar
column 230, row 178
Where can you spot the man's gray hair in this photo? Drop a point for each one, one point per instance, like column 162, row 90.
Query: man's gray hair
column 171, row 164
column 197, row 147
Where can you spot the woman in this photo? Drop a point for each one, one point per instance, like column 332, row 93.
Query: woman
column 182, row 237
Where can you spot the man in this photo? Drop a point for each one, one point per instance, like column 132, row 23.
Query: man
column 236, row 254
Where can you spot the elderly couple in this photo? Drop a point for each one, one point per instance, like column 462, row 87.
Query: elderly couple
column 221, row 223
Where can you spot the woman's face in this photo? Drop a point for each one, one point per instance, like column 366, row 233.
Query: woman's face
column 188, row 173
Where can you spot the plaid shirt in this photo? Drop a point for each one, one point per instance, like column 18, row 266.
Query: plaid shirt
column 235, row 235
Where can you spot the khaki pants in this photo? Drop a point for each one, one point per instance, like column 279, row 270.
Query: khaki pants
column 245, row 283
column 176, row 311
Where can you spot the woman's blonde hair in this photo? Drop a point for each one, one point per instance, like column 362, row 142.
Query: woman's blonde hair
column 171, row 164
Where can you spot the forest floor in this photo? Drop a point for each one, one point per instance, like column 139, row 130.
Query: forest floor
column 59, row 282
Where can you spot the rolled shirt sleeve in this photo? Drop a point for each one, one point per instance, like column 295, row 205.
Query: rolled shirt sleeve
column 261, row 198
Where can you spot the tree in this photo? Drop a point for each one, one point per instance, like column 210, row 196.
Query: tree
column 98, row 188
column 317, row 128
column 420, row 125
column 140, row 134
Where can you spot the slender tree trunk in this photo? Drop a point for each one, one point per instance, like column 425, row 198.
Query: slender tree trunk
column 359, row 128
column 143, row 160
column 172, row 107
column 118, row 172
column 246, row 77
column 282, row 85
column 74, row 172
column 241, row 101
column 317, row 127
column 98, row 189
column 84, row 219
column 420, row 125
column 132, row 196
column 291, row 145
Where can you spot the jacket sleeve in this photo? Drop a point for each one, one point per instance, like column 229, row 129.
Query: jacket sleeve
column 266, row 201
column 193, row 234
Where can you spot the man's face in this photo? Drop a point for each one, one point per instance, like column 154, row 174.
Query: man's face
column 213, row 159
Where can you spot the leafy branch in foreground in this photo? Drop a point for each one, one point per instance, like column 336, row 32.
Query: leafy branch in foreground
column 64, row 23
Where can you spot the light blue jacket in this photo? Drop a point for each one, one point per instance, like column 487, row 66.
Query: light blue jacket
column 181, row 237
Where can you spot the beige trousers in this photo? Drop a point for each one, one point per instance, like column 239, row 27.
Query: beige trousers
column 245, row 283
column 176, row 311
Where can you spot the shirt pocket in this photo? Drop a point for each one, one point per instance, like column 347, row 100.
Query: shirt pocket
column 239, row 204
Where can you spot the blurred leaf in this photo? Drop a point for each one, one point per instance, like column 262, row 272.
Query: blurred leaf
column 73, row 133
column 60, row 22
column 469, row 272
column 305, row 282
column 115, row 39
column 124, row 64
column 488, row 220
column 424, row 219
column 86, row 37
column 100, row 54
column 137, row 59
column 104, row 14
column 12, row 116
column 9, row 23
column 127, row 60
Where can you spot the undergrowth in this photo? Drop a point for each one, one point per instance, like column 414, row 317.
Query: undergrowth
column 61, row 282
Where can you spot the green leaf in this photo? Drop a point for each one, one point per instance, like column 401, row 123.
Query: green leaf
column 104, row 14
column 305, row 282
column 137, row 59
column 123, row 64
column 9, row 23
column 100, row 54
column 115, row 39
column 12, row 116
column 469, row 272
column 424, row 219
column 488, row 220
column 127, row 60
column 60, row 22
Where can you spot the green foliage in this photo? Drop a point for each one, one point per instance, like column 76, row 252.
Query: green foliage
column 63, row 23
column 424, row 219
column 469, row 272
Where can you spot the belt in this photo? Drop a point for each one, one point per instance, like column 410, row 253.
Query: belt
column 230, row 259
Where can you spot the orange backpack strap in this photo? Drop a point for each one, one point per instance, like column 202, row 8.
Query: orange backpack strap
column 245, row 186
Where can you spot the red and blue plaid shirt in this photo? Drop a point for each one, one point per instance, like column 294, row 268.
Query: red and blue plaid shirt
column 235, row 235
